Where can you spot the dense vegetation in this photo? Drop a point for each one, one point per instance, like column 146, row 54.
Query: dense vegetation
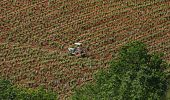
column 135, row 75
column 11, row 92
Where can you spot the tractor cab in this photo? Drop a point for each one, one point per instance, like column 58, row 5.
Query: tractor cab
column 78, row 50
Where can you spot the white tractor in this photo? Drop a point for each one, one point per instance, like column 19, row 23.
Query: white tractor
column 78, row 50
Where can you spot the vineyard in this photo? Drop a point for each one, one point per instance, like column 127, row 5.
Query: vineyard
column 35, row 35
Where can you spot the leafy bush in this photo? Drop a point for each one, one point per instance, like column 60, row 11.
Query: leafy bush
column 136, row 75
column 10, row 92
column 6, row 90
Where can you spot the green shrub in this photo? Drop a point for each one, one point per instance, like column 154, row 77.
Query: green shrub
column 11, row 92
column 6, row 90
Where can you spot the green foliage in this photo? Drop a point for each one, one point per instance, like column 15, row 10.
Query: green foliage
column 6, row 90
column 136, row 75
column 10, row 92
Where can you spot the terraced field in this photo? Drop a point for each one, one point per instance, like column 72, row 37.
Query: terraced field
column 35, row 35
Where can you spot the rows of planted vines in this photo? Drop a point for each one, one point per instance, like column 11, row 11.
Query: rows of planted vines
column 35, row 35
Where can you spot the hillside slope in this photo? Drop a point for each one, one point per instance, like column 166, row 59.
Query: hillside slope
column 35, row 35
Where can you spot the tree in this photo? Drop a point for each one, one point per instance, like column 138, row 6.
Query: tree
column 136, row 75
column 11, row 92
column 6, row 90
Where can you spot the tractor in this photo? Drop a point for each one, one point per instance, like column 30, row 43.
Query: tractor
column 78, row 50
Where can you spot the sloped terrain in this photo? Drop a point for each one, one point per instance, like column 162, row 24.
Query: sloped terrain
column 35, row 35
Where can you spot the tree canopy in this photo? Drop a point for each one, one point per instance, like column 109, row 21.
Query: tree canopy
column 11, row 92
column 136, row 75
